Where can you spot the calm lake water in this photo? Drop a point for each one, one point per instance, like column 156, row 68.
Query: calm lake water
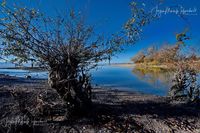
column 116, row 77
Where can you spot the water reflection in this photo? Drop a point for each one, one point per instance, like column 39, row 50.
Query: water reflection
column 133, row 79
column 154, row 75
column 149, row 81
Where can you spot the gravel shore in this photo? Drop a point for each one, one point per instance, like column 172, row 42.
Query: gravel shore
column 111, row 111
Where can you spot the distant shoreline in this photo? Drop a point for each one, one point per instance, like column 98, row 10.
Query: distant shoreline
column 129, row 65
column 41, row 69
column 141, row 65
column 25, row 68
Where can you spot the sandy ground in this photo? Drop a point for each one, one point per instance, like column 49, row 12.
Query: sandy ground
column 112, row 111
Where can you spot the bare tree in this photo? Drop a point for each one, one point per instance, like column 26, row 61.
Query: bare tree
column 139, row 57
column 65, row 45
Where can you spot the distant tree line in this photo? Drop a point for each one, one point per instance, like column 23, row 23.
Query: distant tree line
column 167, row 54
column 153, row 55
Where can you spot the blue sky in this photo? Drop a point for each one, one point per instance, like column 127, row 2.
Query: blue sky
column 110, row 15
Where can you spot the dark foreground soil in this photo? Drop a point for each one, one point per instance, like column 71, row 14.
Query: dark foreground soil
column 30, row 106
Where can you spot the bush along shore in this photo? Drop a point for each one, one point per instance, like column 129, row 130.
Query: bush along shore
column 30, row 106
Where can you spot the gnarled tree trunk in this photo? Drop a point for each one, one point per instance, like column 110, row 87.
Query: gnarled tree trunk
column 74, row 88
